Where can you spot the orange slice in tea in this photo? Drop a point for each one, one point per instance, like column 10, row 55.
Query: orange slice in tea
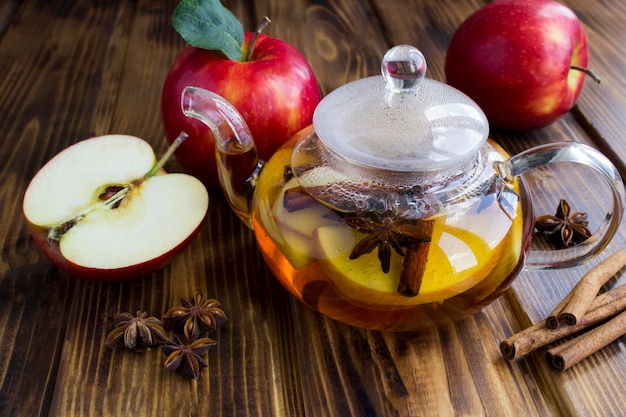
column 457, row 260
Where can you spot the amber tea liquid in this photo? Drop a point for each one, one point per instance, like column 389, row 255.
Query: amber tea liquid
column 473, row 257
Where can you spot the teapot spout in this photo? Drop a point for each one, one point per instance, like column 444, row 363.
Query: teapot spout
column 238, row 165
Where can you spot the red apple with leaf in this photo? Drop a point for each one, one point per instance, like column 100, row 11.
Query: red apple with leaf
column 103, row 209
column 523, row 61
column 266, row 79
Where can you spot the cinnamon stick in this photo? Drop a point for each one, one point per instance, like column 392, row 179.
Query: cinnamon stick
column 552, row 321
column 414, row 264
column 583, row 293
column 605, row 305
column 297, row 199
column 573, row 351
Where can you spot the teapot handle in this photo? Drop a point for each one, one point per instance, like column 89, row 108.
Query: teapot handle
column 577, row 153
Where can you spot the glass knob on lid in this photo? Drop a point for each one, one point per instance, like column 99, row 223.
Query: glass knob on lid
column 403, row 68
column 401, row 121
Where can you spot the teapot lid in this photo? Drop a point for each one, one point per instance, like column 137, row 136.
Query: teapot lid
column 401, row 120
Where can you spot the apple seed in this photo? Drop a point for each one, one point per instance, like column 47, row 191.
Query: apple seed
column 110, row 192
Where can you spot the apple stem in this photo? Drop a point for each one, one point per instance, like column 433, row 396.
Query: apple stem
column 588, row 72
column 262, row 25
column 157, row 167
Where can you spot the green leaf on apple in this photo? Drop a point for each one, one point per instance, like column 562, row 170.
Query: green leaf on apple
column 207, row 24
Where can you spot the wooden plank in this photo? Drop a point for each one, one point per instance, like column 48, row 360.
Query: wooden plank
column 431, row 373
column 341, row 39
column 7, row 10
column 601, row 107
column 35, row 301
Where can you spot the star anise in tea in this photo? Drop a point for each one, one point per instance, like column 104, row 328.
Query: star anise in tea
column 565, row 229
column 187, row 359
column 138, row 333
column 385, row 231
column 193, row 317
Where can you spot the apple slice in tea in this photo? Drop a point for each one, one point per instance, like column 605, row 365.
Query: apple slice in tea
column 103, row 209
column 297, row 226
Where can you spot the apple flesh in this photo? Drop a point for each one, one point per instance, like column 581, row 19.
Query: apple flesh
column 515, row 58
column 275, row 90
column 100, row 211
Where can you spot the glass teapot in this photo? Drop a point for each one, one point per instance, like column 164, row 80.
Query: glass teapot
column 394, row 211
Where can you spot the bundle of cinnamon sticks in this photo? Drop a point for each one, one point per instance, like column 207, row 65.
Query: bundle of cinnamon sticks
column 579, row 311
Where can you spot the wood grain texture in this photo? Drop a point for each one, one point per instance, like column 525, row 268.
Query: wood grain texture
column 600, row 108
column 343, row 40
column 73, row 69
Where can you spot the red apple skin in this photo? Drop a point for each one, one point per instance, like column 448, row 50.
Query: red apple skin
column 513, row 58
column 54, row 255
column 275, row 91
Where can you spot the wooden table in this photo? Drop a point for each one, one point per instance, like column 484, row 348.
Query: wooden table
column 74, row 69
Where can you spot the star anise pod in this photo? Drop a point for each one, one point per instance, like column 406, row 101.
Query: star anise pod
column 193, row 317
column 385, row 231
column 187, row 359
column 564, row 228
column 138, row 333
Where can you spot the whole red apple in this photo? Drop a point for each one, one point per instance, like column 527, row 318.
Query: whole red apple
column 522, row 61
column 274, row 89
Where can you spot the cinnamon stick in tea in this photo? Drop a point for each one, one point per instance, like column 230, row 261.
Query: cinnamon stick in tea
column 297, row 199
column 604, row 306
column 583, row 293
column 573, row 351
column 414, row 264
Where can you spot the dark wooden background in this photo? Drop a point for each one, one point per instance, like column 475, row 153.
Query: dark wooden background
column 75, row 69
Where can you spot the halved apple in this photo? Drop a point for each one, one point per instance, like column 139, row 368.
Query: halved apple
column 104, row 210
